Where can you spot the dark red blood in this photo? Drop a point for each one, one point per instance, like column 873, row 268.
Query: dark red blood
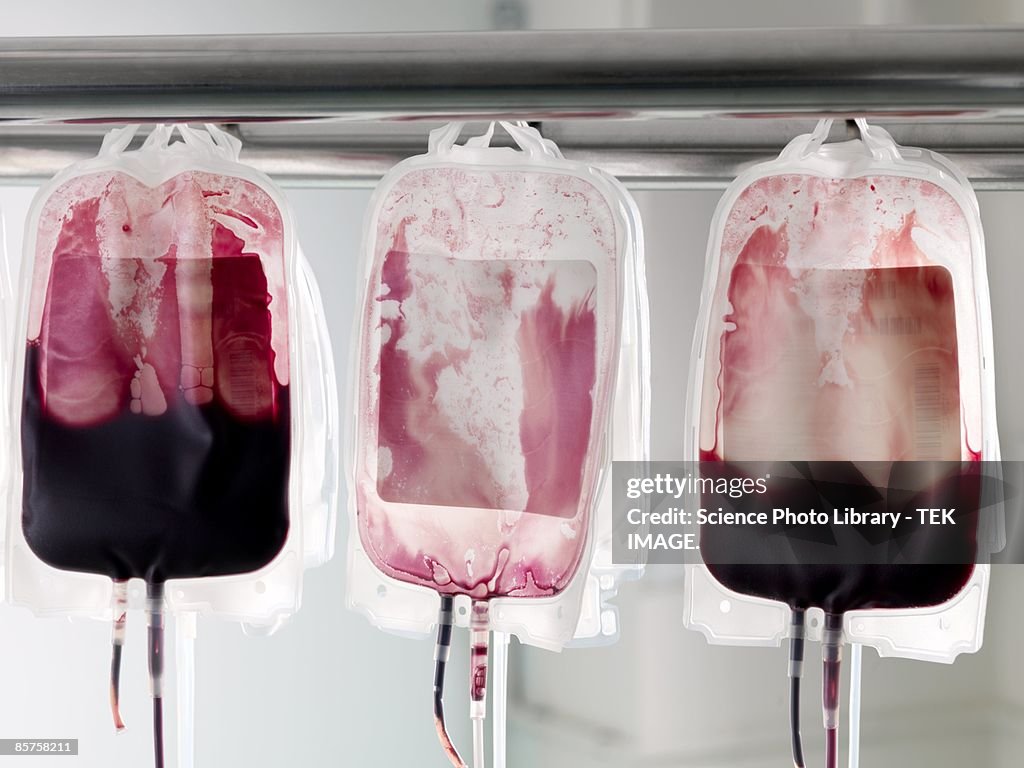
column 198, row 490
column 243, row 357
column 760, row 560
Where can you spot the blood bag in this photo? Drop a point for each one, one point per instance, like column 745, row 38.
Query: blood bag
column 172, row 357
column 845, row 329
column 6, row 313
column 488, row 342
column 845, row 319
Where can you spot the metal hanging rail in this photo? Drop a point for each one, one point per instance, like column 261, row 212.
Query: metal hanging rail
column 342, row 109
column 534, row 75
column 644, row 154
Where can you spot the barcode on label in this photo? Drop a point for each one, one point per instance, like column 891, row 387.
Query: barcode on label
column 927, row 412
column 898, row 326
column 245, row 381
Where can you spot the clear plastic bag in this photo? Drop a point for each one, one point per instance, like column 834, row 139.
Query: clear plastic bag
column 321, row 452
column 629, row 440
column 489, row 338
column 882, row 223
column 548, row 619
column 270, row 589
column 175, row 390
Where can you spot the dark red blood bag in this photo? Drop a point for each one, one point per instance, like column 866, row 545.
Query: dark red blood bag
column 845, row 322
column 157, row 409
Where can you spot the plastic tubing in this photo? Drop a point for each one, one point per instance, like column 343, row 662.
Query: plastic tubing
column 442, row 649
column 795, row 672
column 499, row 697
column 155, row 621
column 831, row 655
column 479, row 637
column 856, row 655
column 119, row 608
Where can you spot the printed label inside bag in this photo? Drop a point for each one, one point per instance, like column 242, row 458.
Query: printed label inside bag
column 487, row 376
column 838, row 364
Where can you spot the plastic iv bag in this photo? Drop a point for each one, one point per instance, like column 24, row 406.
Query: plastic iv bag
column 488, row 346
column 170, row 358
column 845, row 319
column 629, row 440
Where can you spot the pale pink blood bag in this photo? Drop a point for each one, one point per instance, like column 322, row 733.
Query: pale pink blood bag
column 485, row 371
column 486, row 352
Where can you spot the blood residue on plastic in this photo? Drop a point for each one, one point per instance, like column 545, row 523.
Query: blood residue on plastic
column 156, row 419
column 485, row 383
column 836, row 335
column 488, row 331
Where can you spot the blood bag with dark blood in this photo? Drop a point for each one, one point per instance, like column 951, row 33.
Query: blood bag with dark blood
column 487, row 332
column 834, row 338
column 156, row 416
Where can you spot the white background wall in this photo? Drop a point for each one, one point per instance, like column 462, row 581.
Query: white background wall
column 329, row 689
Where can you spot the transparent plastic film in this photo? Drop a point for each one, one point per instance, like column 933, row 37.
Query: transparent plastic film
column 845, row 319
column 321, row 434
column 172, row 351
column 629, row 440
column 488, row 349
column 845, row 326
column 489, row 339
